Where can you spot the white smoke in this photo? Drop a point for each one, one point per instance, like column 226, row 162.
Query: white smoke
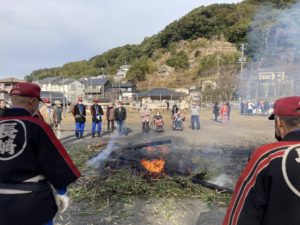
column 274, row 46
column 103, row 155
column 222, row 180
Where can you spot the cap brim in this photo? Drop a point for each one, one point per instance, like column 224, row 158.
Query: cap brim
column 272, row 117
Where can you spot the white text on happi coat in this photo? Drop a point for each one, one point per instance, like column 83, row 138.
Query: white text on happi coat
column 7, row 137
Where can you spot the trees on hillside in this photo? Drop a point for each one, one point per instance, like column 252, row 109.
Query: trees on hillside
column 139, row 69
column 179, row 61
column 231, row 21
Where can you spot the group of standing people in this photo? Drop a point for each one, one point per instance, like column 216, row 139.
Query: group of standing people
column 249, row 109
column 52, row 115
column 113, row 115
column 223, row 111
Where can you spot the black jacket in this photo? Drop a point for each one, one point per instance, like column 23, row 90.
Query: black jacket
column 120, row 114
column 30, row 148
column 2, row 111
column 268, row 190
column 97, row 112
column 80, row 117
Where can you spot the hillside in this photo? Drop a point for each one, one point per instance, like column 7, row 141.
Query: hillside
column 196, row 46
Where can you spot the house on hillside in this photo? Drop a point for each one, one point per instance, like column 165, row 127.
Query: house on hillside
column 47, row 82
column 208, row 84
column 6, row 85
column 70, row 88
column 53, row 96
column 126, row 91
column 121, row 73
column 164, row 70
column 195, row 94
column 97, row 88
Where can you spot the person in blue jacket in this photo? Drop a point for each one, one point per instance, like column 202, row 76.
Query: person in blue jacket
column 97, row 113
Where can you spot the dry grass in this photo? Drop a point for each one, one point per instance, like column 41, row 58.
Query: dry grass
column 97, row 191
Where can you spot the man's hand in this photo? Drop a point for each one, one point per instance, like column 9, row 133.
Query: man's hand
column 62, row 202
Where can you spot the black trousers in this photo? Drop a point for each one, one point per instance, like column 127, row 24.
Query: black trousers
column 112, row 123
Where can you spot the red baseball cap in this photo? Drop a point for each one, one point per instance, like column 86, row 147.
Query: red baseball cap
column 95, row 100
column 288, row 106
column 27, row 90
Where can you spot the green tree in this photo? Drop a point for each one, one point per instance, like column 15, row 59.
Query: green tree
column 179, row 61
column 139, row 69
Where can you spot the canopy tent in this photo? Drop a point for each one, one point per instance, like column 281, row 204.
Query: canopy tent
column 161, row 93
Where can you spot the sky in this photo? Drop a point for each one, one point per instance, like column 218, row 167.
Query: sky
column 38, row 34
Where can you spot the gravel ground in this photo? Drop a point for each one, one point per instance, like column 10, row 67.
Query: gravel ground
column 222, row 149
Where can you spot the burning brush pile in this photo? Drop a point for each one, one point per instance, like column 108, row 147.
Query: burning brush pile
column 148, row 171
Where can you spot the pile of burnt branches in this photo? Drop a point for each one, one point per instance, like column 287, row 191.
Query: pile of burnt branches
column 123, row 186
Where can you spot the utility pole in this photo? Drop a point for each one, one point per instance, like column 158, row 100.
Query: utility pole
column 219, row 58
column 63, row 100
column 242, row 61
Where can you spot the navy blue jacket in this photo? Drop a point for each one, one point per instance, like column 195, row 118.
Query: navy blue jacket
column 29, row 148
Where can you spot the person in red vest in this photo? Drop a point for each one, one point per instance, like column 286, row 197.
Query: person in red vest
column 224, row 113
column 268, row 190
column 31, row 159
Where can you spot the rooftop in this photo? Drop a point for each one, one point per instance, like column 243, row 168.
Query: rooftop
column 11, row 80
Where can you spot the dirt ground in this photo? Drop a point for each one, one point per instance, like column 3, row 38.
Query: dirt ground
column 225, row 149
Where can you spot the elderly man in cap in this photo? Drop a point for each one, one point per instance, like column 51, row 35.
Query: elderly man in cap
column 31, row 159
column 57, row 118
column 47, row 112
column 97, row 113
column 268, row 190
column 79, row 113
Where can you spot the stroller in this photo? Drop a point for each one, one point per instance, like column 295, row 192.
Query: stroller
column 178, row 122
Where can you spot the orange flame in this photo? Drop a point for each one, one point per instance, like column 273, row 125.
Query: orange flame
column 153, row 166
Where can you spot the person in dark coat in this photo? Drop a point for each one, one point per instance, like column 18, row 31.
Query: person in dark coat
column 168, row 105
column 110, row 116
column 79, row 113
column 97, row 113
column 242, row 108
column 174, row 110
column 120, row 117
column 228, row 110
column 216, row 111
column 31, row 159
column 268, row 190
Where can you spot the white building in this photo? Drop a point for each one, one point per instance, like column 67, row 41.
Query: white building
column 71, row 88
column 121, row 73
